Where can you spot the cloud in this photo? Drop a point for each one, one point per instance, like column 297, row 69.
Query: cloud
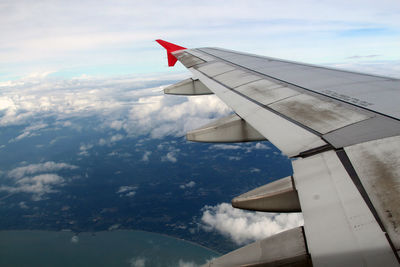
column 114, row 227
column 109, row 141
column 188, row 185
column 23, row 205
column 137, row 262
column 255, row 170
column 128, row 106
column 119, row 154
column 166, row 115
column 360, row 57
column 22, row 100
column 261, row 146
column 36, row 185
column 49, row 166
column 225, row 146
column 183, row 263
column 36, row 179
column 116, row 138
column 171, row 157
column 146, row 156
column 377, row 67
column 248, row 147
column 243, row 226
column 30, row 131
column 84, row 149
column 127, row 191
column 116, row 125
column 75, row 239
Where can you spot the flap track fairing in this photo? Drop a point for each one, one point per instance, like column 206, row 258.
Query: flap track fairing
column 230, row 129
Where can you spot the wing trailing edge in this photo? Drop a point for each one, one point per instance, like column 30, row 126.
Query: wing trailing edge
column 346, row 173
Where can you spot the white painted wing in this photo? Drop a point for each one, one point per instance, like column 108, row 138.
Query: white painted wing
column 342, row 128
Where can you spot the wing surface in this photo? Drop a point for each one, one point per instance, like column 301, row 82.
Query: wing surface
column 342, row 130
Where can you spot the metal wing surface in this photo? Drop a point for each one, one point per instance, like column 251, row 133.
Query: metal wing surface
column 341, row 129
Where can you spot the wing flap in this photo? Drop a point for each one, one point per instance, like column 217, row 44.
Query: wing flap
column 377, row 164
column 340, row 229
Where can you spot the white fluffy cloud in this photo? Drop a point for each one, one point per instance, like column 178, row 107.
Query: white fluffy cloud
column 225, row 146
column 30, row 131
column 243, row 226
column 36, row 185
column 130, row 105
column 49, row 166
column 36, row 179
column 137, row 262
column 171, row 157
column 183, row 263
column 188, row 185
column 248, row 147
column 169, row 115
column 127, row 191
column 146, row 156
column 75, row 239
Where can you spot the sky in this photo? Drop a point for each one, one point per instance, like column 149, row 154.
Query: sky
column 108, row 38
column 80, row 58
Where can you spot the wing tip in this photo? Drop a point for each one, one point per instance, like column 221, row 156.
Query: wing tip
column 170, row 47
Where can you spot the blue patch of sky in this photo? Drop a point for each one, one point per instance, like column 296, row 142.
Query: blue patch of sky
column 367, row 32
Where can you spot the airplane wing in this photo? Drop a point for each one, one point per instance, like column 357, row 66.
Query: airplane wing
column 342, row 130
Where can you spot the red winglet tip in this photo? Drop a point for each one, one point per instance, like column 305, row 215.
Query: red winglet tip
column 170, row 47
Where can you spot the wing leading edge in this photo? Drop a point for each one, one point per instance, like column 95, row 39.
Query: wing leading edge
column 343, row 130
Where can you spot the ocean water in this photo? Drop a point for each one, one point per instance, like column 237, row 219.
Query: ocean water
column 108, row 248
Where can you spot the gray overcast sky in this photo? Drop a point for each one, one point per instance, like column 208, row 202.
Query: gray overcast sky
column 74, row 38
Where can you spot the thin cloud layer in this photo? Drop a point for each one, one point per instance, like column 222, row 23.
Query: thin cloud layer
column 243, row 226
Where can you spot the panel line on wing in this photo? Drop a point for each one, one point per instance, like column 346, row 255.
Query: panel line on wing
column 291, row 62
column 266, row 107
column 298, row 138
column 357, row 182
column 297, row 87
